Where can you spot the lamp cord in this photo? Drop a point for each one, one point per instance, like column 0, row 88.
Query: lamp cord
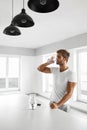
column 23, row 4
column 12, row 9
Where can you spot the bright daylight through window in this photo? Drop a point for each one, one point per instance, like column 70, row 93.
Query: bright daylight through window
column 82, row 75
column 9, row 73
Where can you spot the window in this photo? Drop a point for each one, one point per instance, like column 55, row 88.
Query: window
column 9, row 73
column 48, row 78
column 82, row 75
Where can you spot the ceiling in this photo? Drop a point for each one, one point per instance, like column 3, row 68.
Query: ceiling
column 69, row 20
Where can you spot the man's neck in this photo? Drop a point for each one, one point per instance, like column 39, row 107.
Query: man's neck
column 63, row 68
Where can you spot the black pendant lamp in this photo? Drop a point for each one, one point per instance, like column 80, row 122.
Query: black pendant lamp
column 43, row 6
column 22, row 19
column 12, row 30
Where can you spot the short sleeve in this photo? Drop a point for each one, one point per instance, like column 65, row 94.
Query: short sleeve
column 72, row 77
column 53, row 69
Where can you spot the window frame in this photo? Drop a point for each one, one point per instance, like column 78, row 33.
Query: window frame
column 81, row 50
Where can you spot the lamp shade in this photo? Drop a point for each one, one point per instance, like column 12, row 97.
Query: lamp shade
column 43, row 6
column 11, row 30
column 23, row 20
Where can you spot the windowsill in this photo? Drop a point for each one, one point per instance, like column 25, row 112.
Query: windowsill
column 79, row 106
column 10, row 92
column 45, row 95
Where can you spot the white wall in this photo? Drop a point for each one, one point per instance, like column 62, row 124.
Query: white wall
column 70, row 43
column 16, row 51
column 31, row 80
column 38, row 61
column 28, row 73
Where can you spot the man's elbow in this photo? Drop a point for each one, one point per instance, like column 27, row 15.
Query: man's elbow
column 38, row 68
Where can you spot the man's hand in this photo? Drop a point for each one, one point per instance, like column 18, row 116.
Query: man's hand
column 51, row 60
column 53, row 105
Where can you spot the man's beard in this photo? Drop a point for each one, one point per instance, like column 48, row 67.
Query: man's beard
column 59, row 63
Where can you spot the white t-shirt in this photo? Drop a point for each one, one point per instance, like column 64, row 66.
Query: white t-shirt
column 60, row 80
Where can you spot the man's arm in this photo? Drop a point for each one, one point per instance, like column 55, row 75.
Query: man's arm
column 44, row 68
column 67, row 96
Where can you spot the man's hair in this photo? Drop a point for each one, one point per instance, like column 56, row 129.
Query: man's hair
column 64, row 53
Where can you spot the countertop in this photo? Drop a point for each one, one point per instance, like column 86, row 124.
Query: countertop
column 17, row 116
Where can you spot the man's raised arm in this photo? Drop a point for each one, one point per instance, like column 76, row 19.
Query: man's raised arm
column 43, row 67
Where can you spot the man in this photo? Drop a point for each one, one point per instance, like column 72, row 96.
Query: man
column 64, row 80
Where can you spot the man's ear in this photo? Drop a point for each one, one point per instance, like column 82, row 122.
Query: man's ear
column 64, row 59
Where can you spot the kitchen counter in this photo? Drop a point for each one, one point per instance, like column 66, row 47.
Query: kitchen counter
column 44, row 118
